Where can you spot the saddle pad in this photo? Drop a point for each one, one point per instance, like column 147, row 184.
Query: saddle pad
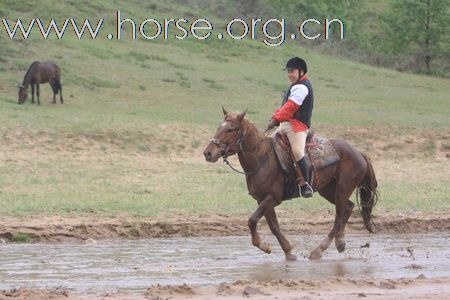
column 284, row 158
column 322, row 153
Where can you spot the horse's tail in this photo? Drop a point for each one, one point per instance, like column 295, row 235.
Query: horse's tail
column 58, row 79
column 368, row 193
column 56, row 86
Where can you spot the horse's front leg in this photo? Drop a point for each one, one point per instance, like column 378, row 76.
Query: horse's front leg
column 272, row 221
column 32, row 93
column 264, row 206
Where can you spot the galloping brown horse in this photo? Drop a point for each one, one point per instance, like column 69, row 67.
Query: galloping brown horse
column 266, row 180
column 41, row 72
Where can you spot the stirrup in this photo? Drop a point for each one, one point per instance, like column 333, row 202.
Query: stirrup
column 308, row 190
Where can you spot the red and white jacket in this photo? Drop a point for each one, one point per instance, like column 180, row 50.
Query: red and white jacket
column 286, row 113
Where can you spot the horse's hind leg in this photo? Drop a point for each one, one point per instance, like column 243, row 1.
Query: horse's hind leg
column 344, row 209
column 317, row 252
column 57, row 88
column 339, row 240
column 272, row 221
column 263, row 207
column 37, row 93
column 346, row 184
column 60, row 92
column 329, row 193
column 54, row 87
column 339, row 195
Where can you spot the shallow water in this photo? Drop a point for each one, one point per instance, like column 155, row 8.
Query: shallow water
column 114, row 265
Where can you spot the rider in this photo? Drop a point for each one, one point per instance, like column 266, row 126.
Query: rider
column 294, row 116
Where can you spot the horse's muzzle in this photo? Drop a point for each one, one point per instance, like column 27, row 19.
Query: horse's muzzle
column 207, row 155
column 210, row 154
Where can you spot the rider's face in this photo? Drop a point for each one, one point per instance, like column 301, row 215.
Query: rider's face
column 293, row 75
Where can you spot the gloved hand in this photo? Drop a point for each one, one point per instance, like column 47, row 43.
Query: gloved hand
column 272, row 123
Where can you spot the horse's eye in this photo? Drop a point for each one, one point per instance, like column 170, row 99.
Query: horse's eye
column 230, row 130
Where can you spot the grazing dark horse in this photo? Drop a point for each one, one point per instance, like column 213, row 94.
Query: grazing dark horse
column 41, row 72
column 266, row 180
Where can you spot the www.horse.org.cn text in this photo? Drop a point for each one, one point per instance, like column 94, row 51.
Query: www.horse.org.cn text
column 271, row 32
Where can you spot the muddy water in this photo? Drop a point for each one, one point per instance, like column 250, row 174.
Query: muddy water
column 135, row 265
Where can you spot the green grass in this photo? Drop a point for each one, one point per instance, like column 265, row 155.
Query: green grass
column 137, row 114
column 131, row 187
column 20, row 237
column 113, row 184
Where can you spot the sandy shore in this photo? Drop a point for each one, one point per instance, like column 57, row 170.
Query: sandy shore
column 415, row 288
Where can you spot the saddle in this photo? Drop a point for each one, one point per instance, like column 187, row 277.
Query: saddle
column 319, row 154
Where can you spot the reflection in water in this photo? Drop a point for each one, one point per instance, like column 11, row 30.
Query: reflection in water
column 338, row 269
column 269, row 271
column 133, row 265
column 305, row 269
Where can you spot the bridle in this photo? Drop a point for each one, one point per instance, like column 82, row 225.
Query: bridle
column 225, row 149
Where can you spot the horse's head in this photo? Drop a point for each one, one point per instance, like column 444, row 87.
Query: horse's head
column 228, row 138
column 23, row 94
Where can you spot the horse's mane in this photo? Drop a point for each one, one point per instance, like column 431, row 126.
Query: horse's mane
column 254, row 137
column 31, row 67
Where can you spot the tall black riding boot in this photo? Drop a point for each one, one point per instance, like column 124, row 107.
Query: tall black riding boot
column 306, row 190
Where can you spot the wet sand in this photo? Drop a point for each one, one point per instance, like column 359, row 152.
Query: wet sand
column 417, row 288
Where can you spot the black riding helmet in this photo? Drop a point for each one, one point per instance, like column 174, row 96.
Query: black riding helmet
column 296, row 63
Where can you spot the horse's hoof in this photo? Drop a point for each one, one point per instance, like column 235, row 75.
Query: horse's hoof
column 340, row 246
column 265, row 247
column 316, row 254
column 370, row 227
column 290, row 256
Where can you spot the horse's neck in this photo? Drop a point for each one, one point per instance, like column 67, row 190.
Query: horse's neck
column 29, row 75
column 254, row 149
column 26, row 80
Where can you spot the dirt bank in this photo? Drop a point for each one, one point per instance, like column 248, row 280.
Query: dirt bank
column 63, row 228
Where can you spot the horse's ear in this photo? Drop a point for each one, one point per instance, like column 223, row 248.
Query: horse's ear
column 242, row 115
column 224, row 111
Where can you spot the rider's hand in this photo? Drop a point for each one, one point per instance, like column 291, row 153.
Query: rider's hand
column 272, row 123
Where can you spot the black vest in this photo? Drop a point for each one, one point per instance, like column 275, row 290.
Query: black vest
column 305, row 111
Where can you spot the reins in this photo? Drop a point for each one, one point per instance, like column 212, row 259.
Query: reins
column 227, row 162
